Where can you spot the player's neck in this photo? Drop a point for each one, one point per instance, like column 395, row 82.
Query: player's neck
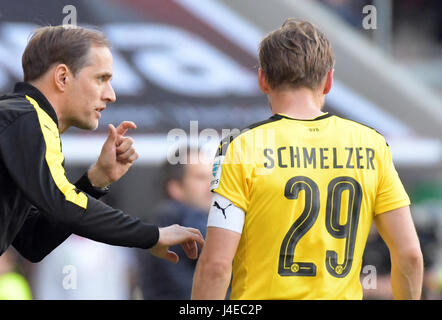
column 301, row 103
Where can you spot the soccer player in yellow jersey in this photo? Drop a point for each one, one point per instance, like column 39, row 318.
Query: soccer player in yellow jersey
column 295, row 195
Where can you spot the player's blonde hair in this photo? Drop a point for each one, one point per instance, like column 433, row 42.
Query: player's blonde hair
column 295, row 55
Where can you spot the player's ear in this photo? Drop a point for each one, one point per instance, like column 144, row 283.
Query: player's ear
column 61, row 73
column 262, row 82
column 328, row 81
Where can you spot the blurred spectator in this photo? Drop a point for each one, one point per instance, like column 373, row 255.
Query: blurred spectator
column 188, row 200
column 13, row 286
column 82, row 269
column 433, row 282
column 422, row 15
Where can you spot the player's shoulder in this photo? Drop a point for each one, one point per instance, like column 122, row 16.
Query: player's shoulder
column 235, row 135
column 361, row 128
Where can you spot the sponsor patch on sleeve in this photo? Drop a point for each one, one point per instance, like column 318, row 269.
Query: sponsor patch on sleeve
column 216, row 172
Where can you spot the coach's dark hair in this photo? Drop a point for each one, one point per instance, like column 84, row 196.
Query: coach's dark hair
column 176, row 171
column 295, row 55
column 59, row 44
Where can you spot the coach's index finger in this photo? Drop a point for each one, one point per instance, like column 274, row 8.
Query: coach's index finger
column 124, row 126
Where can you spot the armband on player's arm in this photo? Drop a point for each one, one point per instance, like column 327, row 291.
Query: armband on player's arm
column 224, row 214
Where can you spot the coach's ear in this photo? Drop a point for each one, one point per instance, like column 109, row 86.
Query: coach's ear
column 61, row 72
column 262, row 81
column 328, row 81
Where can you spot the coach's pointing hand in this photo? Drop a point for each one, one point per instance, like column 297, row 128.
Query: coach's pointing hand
column 116, row 157
column 176, row 234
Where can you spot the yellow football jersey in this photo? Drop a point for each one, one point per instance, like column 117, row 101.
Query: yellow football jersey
column 310, row 190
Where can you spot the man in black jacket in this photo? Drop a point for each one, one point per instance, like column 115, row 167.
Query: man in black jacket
column 67, row 73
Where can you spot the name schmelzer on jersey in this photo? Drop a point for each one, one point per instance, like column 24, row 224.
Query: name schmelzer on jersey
column 322, row 158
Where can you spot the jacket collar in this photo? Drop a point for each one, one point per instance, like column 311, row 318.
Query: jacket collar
column 24, row 88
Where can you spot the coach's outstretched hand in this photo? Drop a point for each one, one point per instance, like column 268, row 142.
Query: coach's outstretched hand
column 176, row 234
column 116, row 157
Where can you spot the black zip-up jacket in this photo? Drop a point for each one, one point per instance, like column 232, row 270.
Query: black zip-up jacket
column 39, row 207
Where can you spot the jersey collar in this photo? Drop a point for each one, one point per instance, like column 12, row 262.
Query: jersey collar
column 24, row 88
column 283, row 116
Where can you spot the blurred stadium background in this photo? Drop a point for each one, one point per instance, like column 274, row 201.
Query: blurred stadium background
column 186, row 60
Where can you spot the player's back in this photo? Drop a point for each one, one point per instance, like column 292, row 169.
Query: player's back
column 310, row 190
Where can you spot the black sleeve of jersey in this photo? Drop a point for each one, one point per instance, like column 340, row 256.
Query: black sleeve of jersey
column 39, row 236
column 24, row 149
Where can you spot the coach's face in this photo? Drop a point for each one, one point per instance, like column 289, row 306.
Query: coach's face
column 90, row 90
